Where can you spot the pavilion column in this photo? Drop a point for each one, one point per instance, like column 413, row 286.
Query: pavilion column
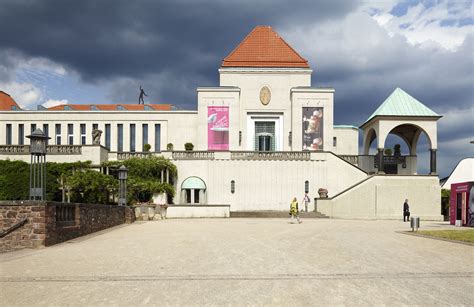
column 192, row 196
column 380, row 166
column 433, row 161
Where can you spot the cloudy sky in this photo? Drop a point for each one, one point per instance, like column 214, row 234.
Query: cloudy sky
column 60, row 51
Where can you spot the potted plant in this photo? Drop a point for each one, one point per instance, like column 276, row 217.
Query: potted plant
column 188, row 146
column 388, row 152
column 169, row 147
column 146, row 147
column 323, row 193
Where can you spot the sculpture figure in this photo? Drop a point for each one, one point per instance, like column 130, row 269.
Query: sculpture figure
column 142, row 93
column 96, row 134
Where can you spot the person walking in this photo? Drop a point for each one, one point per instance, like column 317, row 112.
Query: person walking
column 306, row 201
column 294, row 211
column 406, row 211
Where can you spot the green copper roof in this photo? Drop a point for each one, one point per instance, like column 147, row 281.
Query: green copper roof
column 399, row 103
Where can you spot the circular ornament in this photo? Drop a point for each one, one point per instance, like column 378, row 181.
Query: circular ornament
column 265, row 95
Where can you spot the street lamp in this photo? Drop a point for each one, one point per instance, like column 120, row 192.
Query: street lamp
column 122, row 176
column 38, row 165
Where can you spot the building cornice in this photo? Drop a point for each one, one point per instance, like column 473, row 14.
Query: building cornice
column 218, row 89
column 312, row 90
column 265, row 70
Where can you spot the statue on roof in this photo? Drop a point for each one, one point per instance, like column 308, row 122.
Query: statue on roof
column 142, row 93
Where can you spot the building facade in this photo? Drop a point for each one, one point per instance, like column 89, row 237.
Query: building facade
column 262, row 137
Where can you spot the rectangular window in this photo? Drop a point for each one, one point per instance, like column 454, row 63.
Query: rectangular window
column 157, row 137
column 46, row 132
column 83, row 134
column 9, row 134
column 70, row 134
column 107, row 136
column 132, row 137
column 120, row 137
column 144, row 136
column 58, row 134
column 21, row 134
column 33, row 127
column 334, row 141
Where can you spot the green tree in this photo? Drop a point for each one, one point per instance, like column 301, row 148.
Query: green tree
column 90, row 186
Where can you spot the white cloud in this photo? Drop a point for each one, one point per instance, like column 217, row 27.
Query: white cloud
column 423, row 25
column 51, row 103
column 26, row 95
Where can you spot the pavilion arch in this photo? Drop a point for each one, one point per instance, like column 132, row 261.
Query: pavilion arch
column 193, row 191
column 408, row 129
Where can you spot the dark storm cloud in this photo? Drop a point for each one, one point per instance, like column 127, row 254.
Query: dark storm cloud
column 107, row 39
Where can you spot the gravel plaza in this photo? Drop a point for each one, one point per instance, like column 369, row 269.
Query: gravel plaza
column 243, row 262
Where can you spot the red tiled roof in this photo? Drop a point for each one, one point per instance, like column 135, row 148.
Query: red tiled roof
column 263, row 47
column 110, row 107
column 7, row 103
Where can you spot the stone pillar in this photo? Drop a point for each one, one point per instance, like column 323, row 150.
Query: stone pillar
column 433, row 161
column 201, row 197
column 380, row 166
column 162, row 176
column 192, row 196
column 167, row 176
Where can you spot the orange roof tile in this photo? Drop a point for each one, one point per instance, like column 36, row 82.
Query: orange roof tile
column 110, row 107
column 7, row 103
column 263, row 47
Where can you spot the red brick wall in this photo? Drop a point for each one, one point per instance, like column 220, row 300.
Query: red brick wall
column 42, row 229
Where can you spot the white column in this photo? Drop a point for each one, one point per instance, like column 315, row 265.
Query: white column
column 192, row 196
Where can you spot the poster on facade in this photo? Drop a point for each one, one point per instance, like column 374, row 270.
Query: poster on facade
column 218, row 128
column 313, row 128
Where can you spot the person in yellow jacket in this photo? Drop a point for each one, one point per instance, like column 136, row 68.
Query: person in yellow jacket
column 294, row 211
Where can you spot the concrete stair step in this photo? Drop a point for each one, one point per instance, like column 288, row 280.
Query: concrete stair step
column 274, row 214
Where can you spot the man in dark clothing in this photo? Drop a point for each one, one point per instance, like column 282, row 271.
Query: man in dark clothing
column 406, row 211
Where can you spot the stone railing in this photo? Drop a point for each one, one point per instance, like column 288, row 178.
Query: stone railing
column 270, row 155
column 351, row 159
column 391, row 160
column 128, row 155
column 193, row 155
column 50, row 149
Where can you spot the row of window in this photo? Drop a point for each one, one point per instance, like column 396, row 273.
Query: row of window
column 83, row 132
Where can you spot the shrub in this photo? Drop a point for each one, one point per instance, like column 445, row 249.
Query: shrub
column 146, row 147
column 169, row 147
column 188, row 146
column 388, row 152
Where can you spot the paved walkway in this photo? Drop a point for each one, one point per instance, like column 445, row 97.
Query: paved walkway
column 243, row 262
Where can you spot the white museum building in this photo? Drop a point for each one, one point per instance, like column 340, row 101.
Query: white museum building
column 262, row 137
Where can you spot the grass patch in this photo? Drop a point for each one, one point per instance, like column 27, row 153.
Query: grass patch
column 456, row 235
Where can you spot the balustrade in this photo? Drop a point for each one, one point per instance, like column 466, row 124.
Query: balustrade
column 271, row 155
column 66, row 215
column 50, row 149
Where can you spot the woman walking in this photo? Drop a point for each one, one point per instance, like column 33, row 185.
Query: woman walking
column 294, row 211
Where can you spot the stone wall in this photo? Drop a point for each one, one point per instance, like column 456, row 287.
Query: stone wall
column 49, row 223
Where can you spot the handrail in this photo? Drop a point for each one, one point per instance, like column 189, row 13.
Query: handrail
column 5, row 232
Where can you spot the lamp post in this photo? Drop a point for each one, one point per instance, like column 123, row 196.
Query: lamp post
column 38, row 165
column 122, row 176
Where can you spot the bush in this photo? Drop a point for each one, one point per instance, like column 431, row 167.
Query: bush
column 388, row 152
column 146, row 147
column 188, row 146
column 90, row 186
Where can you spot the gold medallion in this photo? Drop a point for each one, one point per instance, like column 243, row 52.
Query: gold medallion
column 265, row 95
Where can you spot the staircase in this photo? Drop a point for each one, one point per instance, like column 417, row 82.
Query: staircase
column 275, row 214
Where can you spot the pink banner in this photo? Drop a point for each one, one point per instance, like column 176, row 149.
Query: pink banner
column 218, row 128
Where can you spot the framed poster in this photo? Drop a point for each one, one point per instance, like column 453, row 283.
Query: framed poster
column 217, row 128
column 313, row 128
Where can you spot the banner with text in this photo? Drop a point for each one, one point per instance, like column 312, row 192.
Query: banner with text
column 312, row 128
column 218, row 128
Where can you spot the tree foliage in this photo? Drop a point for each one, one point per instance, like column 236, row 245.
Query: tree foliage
column 89, row 186
column 144, row 177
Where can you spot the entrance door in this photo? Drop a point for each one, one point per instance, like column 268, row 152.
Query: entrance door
column 264, row 136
